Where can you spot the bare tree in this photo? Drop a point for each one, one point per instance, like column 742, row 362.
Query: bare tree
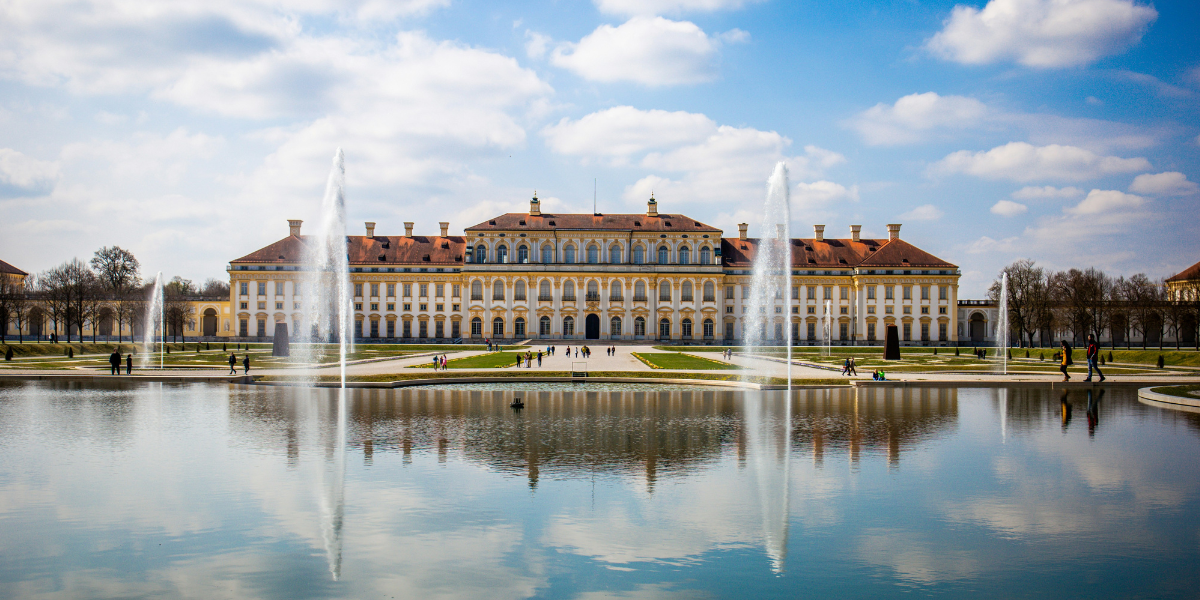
column 214, row 288
column 1027, row 298
column 1176, row 313
column 177, row 310
column 116, row 268
column 1141, row 298
column 53, row 292
column 126, row 307
column 9, row 289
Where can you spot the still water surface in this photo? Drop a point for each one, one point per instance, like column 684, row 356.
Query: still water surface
column 213, row 491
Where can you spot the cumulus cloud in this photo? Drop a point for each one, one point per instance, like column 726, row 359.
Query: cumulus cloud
column 925, row 212
column 536, row 44
column 1032, row 192
column 21, row 175
column 1171, row 183
column 1008, row 208
column 665, row 7
column 622, row 131
column 1105, row 201
column 1020, row 161
column 1041, row 33
column 822, row 193
column 649, row 50
column 912, row 116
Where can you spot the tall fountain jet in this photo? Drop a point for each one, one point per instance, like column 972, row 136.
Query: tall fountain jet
column 1002, row 324
column 154, row 322
column 771, row 282
column 327, row 314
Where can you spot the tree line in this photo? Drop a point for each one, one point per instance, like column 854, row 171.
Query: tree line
column 1044, row 305
column 75, row 294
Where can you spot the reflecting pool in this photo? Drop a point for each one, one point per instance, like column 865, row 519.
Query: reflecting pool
column 217, row 491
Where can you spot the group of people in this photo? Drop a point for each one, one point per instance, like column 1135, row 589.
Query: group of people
column 233, row 363
column 727, row 354
column 439, row 362
column 848, row 368
column 584, row 350
column 527, row 359
column 114, row 361
column 878, row 375
column 1092, row 354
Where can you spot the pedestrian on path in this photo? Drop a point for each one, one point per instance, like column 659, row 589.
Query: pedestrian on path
column 232, row 364
column 1065, row 360
column 129, row 364
column 1093, row 358
column 114, row 361
column 435, row 362
column 853, row 370
column 846, row 367
column 539, row 359
column 246, row 364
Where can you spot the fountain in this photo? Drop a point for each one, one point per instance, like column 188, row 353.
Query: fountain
column 827, row 329
column 772, row 276
column 154, row 322
column 326, row 290
column 1002, row 324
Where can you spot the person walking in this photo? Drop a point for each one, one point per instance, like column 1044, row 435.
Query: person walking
column 129, row 364
column 1093, row 358
column 539, row 359
column 853, row 370
column 232, row 364
column 1065, row 360
column 846, row 367
column 246, row 364
column 114, row 362
column 435, row 362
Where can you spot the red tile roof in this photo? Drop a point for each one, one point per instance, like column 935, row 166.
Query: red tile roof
column 661, row 222
column 1188, row 274
column 363, row 250
column 837, row 253
column 8, row 269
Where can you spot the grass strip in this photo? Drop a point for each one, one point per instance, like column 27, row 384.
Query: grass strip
column 1191, row 392
column 679, row 360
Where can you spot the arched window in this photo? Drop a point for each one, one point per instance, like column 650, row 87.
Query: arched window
column 593, row 254
column 477, row 290
column 519, row 327
column 569, row 254
column 544, row 325
column 476, row 327
column 544, row 290
column 502, row 253
column 664, row 328
column 523, row 254
column 639, row 254
column 705, row 256
column 593, row 291
column 568, row 290
column 614, row 255
column 708, row 329
column 498, row 327
column 481, row 254
column 614, row 326
column 616, row 291
column 664, row 255
column 568, row 326
column 710, row 292
column 547, row 253
column 686, row 326
column 498, row 290
column 686, row 292
column 639, row 326
column 685, row 255
column 519, row 290
column 664, row 291
column 639, row 291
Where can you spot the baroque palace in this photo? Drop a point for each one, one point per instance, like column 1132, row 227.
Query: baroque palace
column 600, row 276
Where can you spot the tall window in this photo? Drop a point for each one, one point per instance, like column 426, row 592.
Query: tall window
column 685, row 255
column 439, row 290
column 569, row 254
column 924, row 292
column 502, row 254
column 262, row 288
column 547, row 254
column 519, row 290
column 244, row 289
column 639, row 291
column 710, row 294
column 614, row 326
column 616, row 291
column 424, row 290
column 908, row 292
column 519, row 327
column 639, row 255
column 943, row 294
column 639, row 326
column 664, row 328
column 498, row 290
column 870, row 292
column 568, row 290
column 705, row 256
column 544, row 326
column 593, row 254
column 358, row 287
column 455, row 291
column 544, row 290
column 476, row 327
column 523, row 254
column 828, row 293
column 568, row 326
column 480, row 254
column 686, row 326
column 844, row 293
column 593, row 291
column 664, row 255
column 498, row 327
column 686, row 292
column 708, row 329
column 477, row 290
column 374, row 291
column 279, row 288
column 812, row 293
column 391, row 290
column 614, row 255
column 408, row 290
column 889, row 292
column 664, row 291
column 729, row 292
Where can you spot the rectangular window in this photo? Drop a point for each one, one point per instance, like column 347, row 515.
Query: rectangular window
column 375, row 294
column 278, row 288
column 795, row 310
column 424, row 290
column 870, row 332
column 812, row 332
column 889, row 309
column 845, row 293
column 924, row 332
column 439, row 308
column 828, row 293
column 375, row 329
column 943, row 292
column 391, row 292
column 908, row 292
column 941, row 332
column 729, row 309
column 924, row 310
column 262, row 327
column 407, row 307
column 845, row 310
column 391, row 329
column 408, row 290
column 262, row 306
column 795, row 292
column 439, row 329
column 812, row 293
column 454, row 331
column 295, row 306
column 745, row 291
column 391, row 306
column 243, row 326
column 245, row 305
column 278, row 306
column 908, row 332
column 924, row 292
column 729, row 292
column 423, row 329
column 358, row 306
column 262, row 288
column 870, row 292
column 423, row 307
column 408, row 329
column 439, row 290
column 870, row 310
column 456, row 291
column 812, row 310
column 889, row 292
column 358, row 290
column 375, row 306
column 941, row 310
column 454, row 308
column 908, row 310
column 244, row 288
column 843, row 331
column 729, row 330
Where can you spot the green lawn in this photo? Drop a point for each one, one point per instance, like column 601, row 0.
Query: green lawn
column 1184, row 391
column 679, row 360
column 492, row 360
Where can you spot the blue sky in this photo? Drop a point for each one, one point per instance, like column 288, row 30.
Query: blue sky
column 1060, row 130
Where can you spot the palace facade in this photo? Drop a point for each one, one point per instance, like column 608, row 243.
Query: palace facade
column 661, row 276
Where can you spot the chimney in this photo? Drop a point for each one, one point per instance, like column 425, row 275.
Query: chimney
column 535, row 207
column 893, row 231
column 855, row 232
column 408, row 225
column 445, row 228
column 652, row 207
column 819, row 232
column 370, row 229
column 294, row 226
column 742, row 227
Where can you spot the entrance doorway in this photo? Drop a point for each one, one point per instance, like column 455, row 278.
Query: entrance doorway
column 978, row 328
column 210, row 322
column 592, row 327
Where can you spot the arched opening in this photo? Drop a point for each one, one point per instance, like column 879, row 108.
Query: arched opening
column 614, row 326
column 664, row 291
column 639, row 291
column 498, row 327
column 664, row 328
column 519, row 290
column 639, row 255
column 592, row 327
column 547, row 254
column 686, row 292
column 614, row 255
column 708, row 329
column 480, row 254
column 686, row 327
column 568, row 326
column 568, row 291
column 523, row 254
column 664, row 255
column 685, row 255
column 519, row 327
column 705, row 256
column 639, row 327
column 593, row 254
column 476, row 328
column 498, row 290
column 476, row 290
column 209, row 322
column 593, row 291
column 977, row 326
column 544, row 326
column 544, row 291
column 616, row 291
column 710, row 292
column 502, row 254
column 569, row 254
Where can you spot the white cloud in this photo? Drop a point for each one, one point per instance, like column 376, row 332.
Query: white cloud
column 1008, row 208
column 22, row 175
column 649, row 50
column 925, row 212
column 664, row 7
column 1020, row 161
column 536, row 44
column 1171, row 183
column 1041, row 33
column 1105, row 201
column 1033, row 192
column 914, row 115
column 807, row 196
column 623, row 131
